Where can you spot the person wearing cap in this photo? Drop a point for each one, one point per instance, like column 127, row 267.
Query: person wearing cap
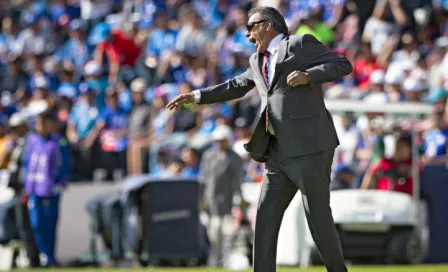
column 221, row 173
column 15, row 168
column 93, row 75
column 82, row 120
column 121, row 51
column 139, row 128
column 394, row 79
column 344, row 178
column 413, row 89
column 45, row 179
column 376, row 92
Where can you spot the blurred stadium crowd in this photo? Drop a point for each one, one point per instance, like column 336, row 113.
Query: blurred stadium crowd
column 106, row 69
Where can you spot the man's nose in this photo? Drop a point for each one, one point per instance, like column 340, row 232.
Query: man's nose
column 247, row 33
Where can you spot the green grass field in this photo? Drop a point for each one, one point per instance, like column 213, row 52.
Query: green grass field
column 422, row 268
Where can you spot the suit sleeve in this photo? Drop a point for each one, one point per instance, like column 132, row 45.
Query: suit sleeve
column 324, row 64
column 234, row 88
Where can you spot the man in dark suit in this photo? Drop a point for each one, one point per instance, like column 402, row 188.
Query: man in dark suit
column 295, row 135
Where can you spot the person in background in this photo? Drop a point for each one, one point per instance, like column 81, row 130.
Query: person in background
column 45, row 178
column 5, row 146
column 111, row 129
column 67, row 85
column 139, row 126
column 75, row 53
column 190, row 157
column 14, row 79
column 19, row 130
column 413, row 89
column 376, row 93
column 435, row 144
column 311, row 25
column 344, row 178
column 81, row 122
column 121, row 51
column 392, row 174
column 221, row 174
column 93, row 75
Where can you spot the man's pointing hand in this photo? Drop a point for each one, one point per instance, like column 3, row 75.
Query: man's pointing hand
column 179, row 100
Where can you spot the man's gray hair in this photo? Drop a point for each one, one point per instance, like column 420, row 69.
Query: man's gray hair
column 272, row 15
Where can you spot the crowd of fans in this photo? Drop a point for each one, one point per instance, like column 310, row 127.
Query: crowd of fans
column 108, row 68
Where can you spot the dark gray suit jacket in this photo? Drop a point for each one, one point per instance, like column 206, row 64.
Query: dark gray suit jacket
column 298, row 115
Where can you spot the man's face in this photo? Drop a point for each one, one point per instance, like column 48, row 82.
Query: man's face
column 256, row 30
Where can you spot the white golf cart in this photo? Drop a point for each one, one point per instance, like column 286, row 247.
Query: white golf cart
column 386, row 226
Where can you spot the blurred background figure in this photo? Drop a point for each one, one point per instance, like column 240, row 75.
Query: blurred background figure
column 221, row 175
column 344, row 178
column 45, row 178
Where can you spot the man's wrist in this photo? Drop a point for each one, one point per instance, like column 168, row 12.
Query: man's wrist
column 197, row 96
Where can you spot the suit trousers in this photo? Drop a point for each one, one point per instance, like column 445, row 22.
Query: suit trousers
column 282, row 178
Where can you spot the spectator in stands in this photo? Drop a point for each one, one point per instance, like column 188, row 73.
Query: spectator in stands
column 139, row 127
column 395, row 173
column 190, row 157
column 8, row 38
column 413, row 89
column 111, row 130
column 67, row 85
column 14, row 79
column 364, row 66
column 312, row 25
column 93, row 75
column 162, row 39
column 350, row 142
column 344, row 178
column 80, row 134
column 75, row 52
column 436, row 139
column 45, row 178
column 221, row 173
column 194, row 36
column 394, row 80
column 383, row 28
column 5, row 146
column 121, row 51
column 376, row 92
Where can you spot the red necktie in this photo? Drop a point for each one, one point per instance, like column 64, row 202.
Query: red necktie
column 264, row 71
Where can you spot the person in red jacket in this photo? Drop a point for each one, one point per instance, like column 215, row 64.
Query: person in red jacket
column 395, row 173
column 120, row 50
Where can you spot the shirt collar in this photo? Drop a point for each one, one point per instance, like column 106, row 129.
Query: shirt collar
column 273, row 45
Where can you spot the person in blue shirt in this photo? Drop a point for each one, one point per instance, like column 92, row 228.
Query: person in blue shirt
column 82, row 120
column 162, row 39
column 75, row 52
column 67, row 87
column 436, row 139
column 46, row 171
column 111, row 129
column 190, row 157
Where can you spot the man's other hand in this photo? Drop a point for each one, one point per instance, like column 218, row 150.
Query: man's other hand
column 179, row 100
column 297, row 78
